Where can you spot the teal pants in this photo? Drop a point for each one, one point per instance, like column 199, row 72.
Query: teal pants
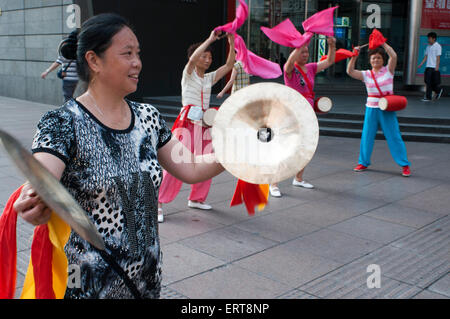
column 389, row 125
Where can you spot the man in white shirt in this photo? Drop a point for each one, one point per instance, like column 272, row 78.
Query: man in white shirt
column 432, row 75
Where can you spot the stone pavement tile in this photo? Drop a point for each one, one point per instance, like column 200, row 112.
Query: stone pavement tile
column 278, row 229
column 351, row 282
column 334, row 245
column 436, row 200
column 9, row 185
column 296, row 294
column 426, row 294
column 300, row 194
column 372, row 229
column 321, row 213
column 404, row 215
column 438, row 170
column 290, row 198
column 442, row 286
column 180, row 262
column 347, row 180
column 221, row 192
column 19, row 285
column 228, row 243
column 355, row 204
column 417, row 268
column 24, row 235
column 168, row 293
column 395, row 188
column 428, row 239
column 224, row 177
column 315, row 170
column 288, row 264
column 229, row 282
column 186, row 224
column 178, row 204
column 223, row 214
column 23, row 259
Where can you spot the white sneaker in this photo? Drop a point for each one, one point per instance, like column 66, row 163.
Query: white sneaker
column 303, row 184
column 274, row 191
column 160, row 215
column 199, row 205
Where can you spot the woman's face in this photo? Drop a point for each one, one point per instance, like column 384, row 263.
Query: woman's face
column 205, row 60
column 121, row 64
column 376, row 61
column 304, row 56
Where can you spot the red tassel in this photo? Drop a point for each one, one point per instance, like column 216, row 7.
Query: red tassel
column 41, row 257
column 8, row 248
column 250, row 194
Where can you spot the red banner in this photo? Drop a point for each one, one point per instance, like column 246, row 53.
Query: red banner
column 436, row 14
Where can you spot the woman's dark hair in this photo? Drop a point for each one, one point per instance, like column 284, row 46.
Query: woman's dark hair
column 96, row 35
column 68, row 46
column 194, row 47
column 379, row 51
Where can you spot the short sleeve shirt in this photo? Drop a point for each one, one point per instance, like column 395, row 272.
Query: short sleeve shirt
column 114, row 175
column 299, row 84
column 71, row 71
column 385, row 80
column 432, row 52
column 196, row 90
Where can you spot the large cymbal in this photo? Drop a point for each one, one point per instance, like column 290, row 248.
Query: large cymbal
column 51, row 191
column 265, row 133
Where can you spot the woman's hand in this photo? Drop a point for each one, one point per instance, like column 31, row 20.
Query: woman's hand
column 31, row 208
column 331, row 41
column 214, row 36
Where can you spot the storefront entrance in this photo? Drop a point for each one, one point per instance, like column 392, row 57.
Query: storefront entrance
column 354, row 21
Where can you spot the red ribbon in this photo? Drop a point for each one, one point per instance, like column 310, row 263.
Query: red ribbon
column 249, row 194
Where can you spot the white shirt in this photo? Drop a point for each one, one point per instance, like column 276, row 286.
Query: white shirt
column 196, row 90
column 433, row 51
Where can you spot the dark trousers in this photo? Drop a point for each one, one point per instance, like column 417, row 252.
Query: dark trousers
column 433, row 81
column 68, row 89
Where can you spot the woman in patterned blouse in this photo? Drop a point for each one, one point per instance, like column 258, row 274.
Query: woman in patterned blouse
column 108, row 152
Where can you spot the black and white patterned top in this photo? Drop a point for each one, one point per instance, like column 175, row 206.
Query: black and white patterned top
column 114, row 175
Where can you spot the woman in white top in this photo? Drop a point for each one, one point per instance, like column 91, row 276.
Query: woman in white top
column 196, row 87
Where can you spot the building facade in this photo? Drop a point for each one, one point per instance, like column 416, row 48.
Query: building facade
column 31, row 30
column 404, row 23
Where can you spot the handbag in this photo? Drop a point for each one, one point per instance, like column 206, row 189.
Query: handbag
column 62, row 72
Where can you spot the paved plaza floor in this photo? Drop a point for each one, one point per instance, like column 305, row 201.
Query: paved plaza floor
column 316, row 243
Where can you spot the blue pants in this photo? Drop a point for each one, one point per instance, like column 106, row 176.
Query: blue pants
column 389, row 125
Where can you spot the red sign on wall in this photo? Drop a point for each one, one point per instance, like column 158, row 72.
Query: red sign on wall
column 436, row 14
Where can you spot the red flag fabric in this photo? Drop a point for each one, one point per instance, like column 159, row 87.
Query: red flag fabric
column 41, row 257
column 341, row 54
column 250, row 194
column 376, row 39
column 8, row 248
